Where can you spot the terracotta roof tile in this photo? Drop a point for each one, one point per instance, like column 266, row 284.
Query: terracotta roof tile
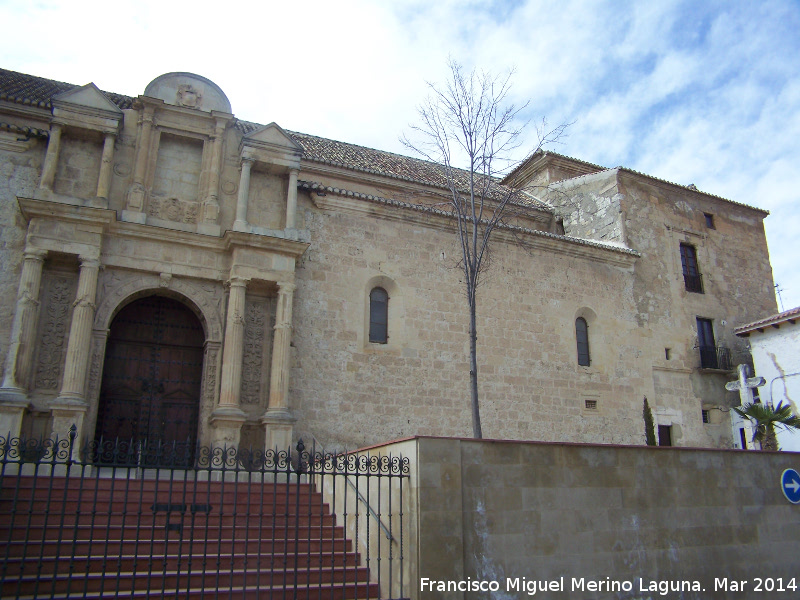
column 788, row 315
column 37, row 91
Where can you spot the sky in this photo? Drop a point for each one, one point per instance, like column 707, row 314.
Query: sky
column 691, row 92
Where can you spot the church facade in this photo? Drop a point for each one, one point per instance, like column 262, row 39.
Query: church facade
column 172, row 272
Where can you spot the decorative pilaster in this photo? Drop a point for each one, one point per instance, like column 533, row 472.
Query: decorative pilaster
column 291, row 200
column 134, row 206
column 209, row 223
column 104, row 180
column 278, row 420
column 71, row 401
column 240, row 224
column 13, row 397
column 228, row 416
column 51, row 158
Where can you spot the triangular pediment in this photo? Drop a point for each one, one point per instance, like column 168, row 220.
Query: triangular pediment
column 88, row 96
column 273, row 135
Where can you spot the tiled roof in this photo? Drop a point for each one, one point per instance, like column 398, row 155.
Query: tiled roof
column 37, row 91
column 790, row 315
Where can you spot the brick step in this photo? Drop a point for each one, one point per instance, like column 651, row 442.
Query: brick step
column 42, row 483
column 119, row 505
column 148, row 531
column 40, row 517
column 276, row 559
column 349, row 591
column 158, row 579
column 19, row 548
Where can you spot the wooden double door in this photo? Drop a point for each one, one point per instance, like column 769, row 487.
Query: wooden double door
column 150, row 394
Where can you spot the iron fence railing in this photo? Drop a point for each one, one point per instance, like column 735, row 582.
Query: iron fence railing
column 131, row 520
column 715, row 357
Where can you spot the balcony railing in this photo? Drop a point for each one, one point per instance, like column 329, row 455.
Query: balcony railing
column 715, row 357
column 694, row 283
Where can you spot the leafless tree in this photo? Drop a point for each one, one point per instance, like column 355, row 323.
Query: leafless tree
column 468, row 121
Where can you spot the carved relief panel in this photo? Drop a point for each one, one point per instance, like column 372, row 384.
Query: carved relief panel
column 57, row 294
column 258, row 332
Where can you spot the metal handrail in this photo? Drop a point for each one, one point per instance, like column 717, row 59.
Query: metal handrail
column 370, row 510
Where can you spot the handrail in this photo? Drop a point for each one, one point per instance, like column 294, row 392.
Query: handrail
column 370, row 510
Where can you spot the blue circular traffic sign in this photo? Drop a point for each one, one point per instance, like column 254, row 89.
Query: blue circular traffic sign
column 790, row 484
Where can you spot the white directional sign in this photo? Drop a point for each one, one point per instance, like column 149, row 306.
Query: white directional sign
column 790, row 484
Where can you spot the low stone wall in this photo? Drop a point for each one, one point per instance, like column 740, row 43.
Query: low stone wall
column 596, row 522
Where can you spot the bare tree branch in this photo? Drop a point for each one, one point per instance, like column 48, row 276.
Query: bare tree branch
column 468, row 121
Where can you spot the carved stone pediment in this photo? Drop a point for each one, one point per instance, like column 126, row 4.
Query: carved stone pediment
column 271, row 145
column 87, row 107
column 189, row 91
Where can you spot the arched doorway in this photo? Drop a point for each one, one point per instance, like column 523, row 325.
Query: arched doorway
column 150, row 393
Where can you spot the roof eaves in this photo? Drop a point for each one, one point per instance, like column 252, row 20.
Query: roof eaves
column 319, row 187
column 692, row 189
column 790, row 315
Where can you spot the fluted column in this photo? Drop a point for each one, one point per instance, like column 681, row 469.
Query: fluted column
column 51, row 158
column 278, row 420
column 104, row 180
column 70, row 406
column 240, row 224
column 23, row 327
column 228, row 417
column 80, row 334
column 234, row 345
column 291, row 200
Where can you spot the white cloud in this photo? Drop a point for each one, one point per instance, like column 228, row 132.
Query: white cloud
column 705, row 93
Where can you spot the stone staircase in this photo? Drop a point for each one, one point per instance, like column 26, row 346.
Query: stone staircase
column 134, row 538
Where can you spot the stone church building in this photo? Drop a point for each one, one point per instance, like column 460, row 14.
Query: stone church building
column 172, row 272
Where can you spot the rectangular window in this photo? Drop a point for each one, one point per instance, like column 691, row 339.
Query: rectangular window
column 667, row 353
column 691, row 273
column 665, row 435
column 591, row 404
column 743, row 438
column 705, row 416
column 709, row 220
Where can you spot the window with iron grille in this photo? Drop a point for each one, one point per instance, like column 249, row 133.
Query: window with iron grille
column 378, row 316
column 582, row 338
column 705, row 416
column 590, row 404
column 691, row 273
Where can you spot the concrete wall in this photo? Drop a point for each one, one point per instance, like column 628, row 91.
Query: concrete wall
column 490, row 510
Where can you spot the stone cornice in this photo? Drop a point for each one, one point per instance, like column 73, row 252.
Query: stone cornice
column 335, row 199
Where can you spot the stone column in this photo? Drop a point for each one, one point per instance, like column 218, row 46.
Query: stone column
column 278, row 420
column 134, row 205
column 13, row 396
column 71, row 404
column 209, row 223
column 291, row 200
column 51, row 158
column 228, row 417
column 104, row 180
column 240, row 224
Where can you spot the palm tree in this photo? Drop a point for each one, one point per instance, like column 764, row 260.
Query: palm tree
column 766, row 418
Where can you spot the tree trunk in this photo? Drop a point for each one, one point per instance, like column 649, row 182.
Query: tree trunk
column 473, row 372
column 770, row 441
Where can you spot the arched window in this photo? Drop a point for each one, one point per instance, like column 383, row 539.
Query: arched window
column 582, row 337
column 378, row 316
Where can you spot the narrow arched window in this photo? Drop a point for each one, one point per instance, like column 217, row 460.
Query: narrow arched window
column 582, row 337
column 378, row 316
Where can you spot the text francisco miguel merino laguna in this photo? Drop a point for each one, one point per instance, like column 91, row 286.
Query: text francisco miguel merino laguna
column 577, row 584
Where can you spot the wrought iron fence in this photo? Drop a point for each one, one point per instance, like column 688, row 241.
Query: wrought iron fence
column 715, row 357
column 128, row 520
